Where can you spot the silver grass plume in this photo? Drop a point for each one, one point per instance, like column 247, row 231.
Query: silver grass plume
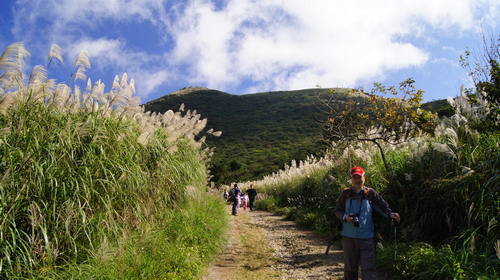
column 465, row 109
column 12, row 63
column 55, row 52
column 497, row 248
column 294, row 170
column 418, row 147
column 6, row 102
column 82, row 64
column 120, row 101
column 38, row 75
column 13, row 57
column 60, row 96
column 444, row 149
column 74, row 102
column 491, row 225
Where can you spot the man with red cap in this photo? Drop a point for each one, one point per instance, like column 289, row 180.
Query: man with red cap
column 354, row 208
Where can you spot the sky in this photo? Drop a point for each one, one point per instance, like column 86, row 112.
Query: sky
column 249, row 46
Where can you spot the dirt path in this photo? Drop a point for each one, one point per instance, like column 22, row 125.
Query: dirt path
column 265, row 246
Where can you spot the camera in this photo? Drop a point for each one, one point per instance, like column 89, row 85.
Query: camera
column 355, row 220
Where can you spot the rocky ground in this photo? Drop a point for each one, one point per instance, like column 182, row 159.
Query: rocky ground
column 262, row 245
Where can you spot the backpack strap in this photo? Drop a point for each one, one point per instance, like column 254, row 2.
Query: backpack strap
column 365, row 194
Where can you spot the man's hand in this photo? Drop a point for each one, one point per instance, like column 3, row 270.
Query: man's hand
column 395, row 216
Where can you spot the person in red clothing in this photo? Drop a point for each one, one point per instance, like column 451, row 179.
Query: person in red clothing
column 354, row 208
column 244, row 200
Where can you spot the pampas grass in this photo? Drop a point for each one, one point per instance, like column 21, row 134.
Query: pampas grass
column 81, row 169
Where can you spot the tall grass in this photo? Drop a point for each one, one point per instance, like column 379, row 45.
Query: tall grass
column 85, row 174
column 178, row 246
column 449, row 200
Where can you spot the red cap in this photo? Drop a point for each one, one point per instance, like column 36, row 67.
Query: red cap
column 357, row 171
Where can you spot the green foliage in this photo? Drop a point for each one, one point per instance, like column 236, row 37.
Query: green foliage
column 88, row 178
column 268, row 203
column 66, row 188
column 178, row 246
column 423, row 261
column 377, row 117
column 458, row 182
column 448, row 203
column 261, row 131
column 441, row 107
column 306, row 200
column 412, row 259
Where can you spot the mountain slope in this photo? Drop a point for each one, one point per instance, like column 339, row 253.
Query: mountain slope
column 260, row 132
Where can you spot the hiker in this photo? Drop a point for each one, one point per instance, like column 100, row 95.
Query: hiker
column 244, row 200
column 225, row 195
column 354, row 208
column 252, row 193
column 234, row 195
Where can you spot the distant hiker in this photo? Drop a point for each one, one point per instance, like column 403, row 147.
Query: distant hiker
column 244, row 200
column 234, row 195
column 252, row 193
column 354, row 208
column 225, row 195
column 239, row 199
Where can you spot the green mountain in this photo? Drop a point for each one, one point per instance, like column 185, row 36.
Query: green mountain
column 261, row 132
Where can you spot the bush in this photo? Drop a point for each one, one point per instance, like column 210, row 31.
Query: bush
column 423, row 261
column 269, row 203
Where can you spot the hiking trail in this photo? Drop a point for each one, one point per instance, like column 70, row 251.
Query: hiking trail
column 262, row 245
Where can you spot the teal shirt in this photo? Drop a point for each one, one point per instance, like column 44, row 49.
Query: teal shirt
column 362, row 205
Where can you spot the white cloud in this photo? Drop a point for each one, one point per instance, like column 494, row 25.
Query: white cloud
column 326, row 42
column 444, row 60
column 112, row 55
column 106, row 52
column 275, row 44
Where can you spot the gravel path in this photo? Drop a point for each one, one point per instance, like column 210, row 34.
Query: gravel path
column 292, row 252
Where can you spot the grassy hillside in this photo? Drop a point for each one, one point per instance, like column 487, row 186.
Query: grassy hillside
column 261, row 131
column 439, row 106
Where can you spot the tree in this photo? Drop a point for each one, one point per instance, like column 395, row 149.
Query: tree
column 356, row 116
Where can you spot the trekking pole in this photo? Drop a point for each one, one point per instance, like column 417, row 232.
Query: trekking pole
column 394, row 226
column 329, row 243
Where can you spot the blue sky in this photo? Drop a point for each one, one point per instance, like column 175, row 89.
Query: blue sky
column 248, row 46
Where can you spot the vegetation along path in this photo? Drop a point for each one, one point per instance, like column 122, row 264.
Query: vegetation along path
column 265, row 246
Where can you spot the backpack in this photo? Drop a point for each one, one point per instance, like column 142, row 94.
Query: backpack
column 232, row 195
